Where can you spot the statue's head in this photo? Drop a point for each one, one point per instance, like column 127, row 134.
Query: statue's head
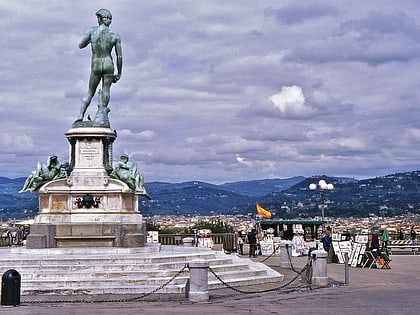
column 104, row 13
column 124, row 157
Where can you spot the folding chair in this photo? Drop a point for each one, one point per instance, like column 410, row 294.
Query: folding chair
column 370, row 259
column 386, row 261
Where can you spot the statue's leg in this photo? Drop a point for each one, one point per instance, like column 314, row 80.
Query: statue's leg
column 85, row 103
column 106, row 88
column 93, row 84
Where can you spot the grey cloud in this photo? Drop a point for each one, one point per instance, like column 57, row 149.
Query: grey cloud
column 376, row 38
column 380, row 23
column 299, row 13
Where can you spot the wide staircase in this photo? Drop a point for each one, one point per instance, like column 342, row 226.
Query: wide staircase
column 96, row 271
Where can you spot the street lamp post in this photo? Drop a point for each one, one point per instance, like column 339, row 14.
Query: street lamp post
column 195, row 237
column 323, row 186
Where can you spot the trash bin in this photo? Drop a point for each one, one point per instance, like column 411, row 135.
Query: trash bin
column 10, row 288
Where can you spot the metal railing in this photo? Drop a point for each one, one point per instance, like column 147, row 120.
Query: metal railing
column 176, row 239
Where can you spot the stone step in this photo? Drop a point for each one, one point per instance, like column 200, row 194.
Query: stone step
column 225, row 276
column 94, row 265
column 238, row 282
column 142, row 289
column 65, row 272
column 71, row 261
column 127, row 289
column 105, row 272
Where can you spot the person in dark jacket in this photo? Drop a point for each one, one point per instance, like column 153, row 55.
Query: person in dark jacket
column 326, row 240
column 413, row 236
column 252, row 240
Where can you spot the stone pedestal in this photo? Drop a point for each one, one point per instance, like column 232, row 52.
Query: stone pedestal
column 88, row 209
column 285, row 254
column 199, row 270
column 319, row 268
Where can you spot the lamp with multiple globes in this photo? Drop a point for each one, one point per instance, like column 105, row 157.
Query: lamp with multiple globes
column 323, row 186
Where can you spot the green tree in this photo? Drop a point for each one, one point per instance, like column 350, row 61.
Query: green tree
column 216, row 226
column 152, row 226
column 173, row 230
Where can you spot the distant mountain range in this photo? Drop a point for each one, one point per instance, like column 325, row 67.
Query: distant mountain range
column 388, row 195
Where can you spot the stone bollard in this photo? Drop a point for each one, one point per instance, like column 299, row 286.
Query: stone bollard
column 187, row 242
column 285, row 254
column 198, row 281
column 319, row 268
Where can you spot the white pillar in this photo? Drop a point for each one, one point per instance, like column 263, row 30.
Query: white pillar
column 198, row 281
column 285, row 254
column 319, row 268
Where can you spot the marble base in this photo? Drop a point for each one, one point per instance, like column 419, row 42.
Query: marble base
column 88, row 209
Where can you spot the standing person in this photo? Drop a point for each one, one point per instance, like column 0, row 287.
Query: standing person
column 326, row 240
column 240, row 244
column 385, row 239
column 9, row 237
column 402, row 235
column 252, row 240
column 413, row 236
column 374, row 243
column 102, row 42
column 298, row 245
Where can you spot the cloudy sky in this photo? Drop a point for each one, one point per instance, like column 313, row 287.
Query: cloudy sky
column 221, row 91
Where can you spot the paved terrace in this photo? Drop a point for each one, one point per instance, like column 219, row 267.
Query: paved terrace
column 371, row 291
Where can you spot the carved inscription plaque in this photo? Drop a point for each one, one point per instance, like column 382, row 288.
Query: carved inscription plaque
column 90, row 153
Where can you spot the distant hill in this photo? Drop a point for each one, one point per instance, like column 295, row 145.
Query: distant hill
column 256, row 188
column 15, row 205
column 388, row 195
column 191, row 198
column 5, row 180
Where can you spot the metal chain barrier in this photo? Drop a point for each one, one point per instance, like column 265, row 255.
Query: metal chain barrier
column 261, row 291
column 309, row 271
column 308, row 266
column 115, row 300
column 290, row 259
column 272, row 254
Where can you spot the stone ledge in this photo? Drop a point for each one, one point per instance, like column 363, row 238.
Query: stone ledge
column 85, row 241
column 85, row 237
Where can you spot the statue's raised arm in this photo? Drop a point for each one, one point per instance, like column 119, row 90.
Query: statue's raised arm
column 102, row 41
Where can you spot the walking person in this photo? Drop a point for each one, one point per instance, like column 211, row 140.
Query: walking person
column 252, row 240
